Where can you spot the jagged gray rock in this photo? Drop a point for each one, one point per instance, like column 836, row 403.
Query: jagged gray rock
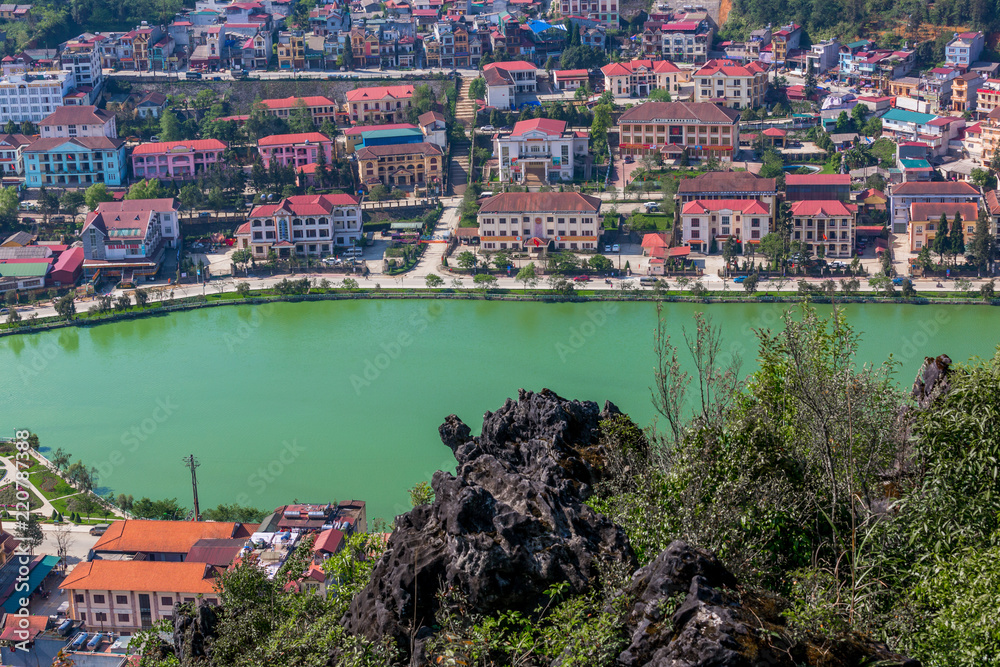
column 195, row 627
column 510, row 523
column 932, row 380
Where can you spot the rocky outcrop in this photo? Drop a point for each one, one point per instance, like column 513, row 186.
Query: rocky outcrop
column 932, row 380
column 505, row 527
column 686, row 610
column 195, row 627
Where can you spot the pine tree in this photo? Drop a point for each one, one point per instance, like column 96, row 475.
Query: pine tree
column 956, row 242
column 940, row 243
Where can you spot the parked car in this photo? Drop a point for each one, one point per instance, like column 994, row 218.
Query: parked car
column 607, row 247
column 838, row 265
column 898, row 281
column 100, row 529
column 616, row 248
column 629, row 159
column 739, row 279
column 192, row 76
column 581, row 279
column 154, row 138
column 28, row 220
column 205, row 214
column 331, row 260
column 487, row 128
column 651, row 206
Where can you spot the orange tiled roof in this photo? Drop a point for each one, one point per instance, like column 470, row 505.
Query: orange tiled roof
column 133, row 536
column 140, row 575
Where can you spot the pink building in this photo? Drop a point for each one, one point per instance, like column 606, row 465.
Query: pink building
column 296, row 150
column 176, row 160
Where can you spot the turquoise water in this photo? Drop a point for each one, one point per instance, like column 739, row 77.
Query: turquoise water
column 342, row 399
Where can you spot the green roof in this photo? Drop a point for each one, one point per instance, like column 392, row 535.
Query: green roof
column 381, row 134
column 904, row 116
column 406, row 225
column 915, row 164
column 858, row 44
column 24, row 269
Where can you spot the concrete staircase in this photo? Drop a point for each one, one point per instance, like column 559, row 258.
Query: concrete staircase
column 461, row 151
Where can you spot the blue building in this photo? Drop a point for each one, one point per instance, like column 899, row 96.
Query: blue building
column 390, row 137
column 75, row 162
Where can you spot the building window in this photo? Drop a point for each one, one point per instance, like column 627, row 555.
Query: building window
column 121, row 599
column 167, row 601
column 98, row 599
column 100, row 616
column 123, row 618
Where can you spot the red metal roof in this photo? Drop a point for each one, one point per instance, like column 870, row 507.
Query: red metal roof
column 192, row 145
column 547, row 125
column 379, row 93
column 748, row 206
column 818, row 179
column 821, row 207
column 291, row 102
column 281, row 139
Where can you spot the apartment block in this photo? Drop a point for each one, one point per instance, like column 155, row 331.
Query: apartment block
column 537, row 221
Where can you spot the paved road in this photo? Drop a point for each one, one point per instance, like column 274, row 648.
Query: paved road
column 11, row 467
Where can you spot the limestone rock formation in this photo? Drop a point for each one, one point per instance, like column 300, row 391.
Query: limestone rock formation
column 510, row 523
column 195, row 627
column 687, row 610
column 932, row 380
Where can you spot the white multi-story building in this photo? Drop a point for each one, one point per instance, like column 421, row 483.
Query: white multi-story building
column 82, row 56
column 303, row 225
column 533, row 221
column 79, row 121
column 604, row 11
column 827, row 224
column 506, row 80
column 911, row 192
column 638, row 78
column 11, row 154
column 166, row 211
column 32, row 96
column 540, row 150
column 729, row 84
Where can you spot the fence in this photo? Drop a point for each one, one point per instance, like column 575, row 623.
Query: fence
column 399, row 203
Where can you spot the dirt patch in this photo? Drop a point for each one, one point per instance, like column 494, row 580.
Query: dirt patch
column 725, row 6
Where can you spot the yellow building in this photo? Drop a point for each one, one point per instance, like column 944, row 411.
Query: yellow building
column 534, row 221
column 670, row 127
column 925, row 218
column 730, row 84
column 401, row 165
column 379, row 104
column 291, row 50
column 827, row 223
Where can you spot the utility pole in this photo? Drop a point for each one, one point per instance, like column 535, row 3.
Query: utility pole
column 192, row 463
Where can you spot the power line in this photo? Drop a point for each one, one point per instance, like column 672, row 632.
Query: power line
column 191, row 462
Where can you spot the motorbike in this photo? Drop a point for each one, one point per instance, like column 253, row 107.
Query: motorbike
column 940, row 285
column 608, row 281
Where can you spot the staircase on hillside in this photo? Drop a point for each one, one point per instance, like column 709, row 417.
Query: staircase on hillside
column 465, row 116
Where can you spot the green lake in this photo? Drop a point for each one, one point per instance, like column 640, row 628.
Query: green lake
column 330, row 400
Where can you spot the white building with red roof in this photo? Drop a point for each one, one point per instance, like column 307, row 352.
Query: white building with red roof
column 305, row 225
column 638, row 78
column 570, row 79
column 177, row 160
column 79, row 121
column 320, row 108
column 540, row 150
column 506, row 80
column 605, row 12
column 379, row 104
column 296, row 150
column 705, row 220
column 731, row 84
column 826, row 227
column 126, row 239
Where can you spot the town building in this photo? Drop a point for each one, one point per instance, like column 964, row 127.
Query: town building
column 702, row 129
column 128, row 242
column 76, row 162
column 540, row 151
column 32, row 96
column 603, row 11
column 79, row 121
column 686, row 40
column 403, row 165
column 784, row 41
column 926, row 217
column 152, row 105
column 126, row 596
column 12, row 154
column 379, row 104
column 320, row 108
column 709, row 223
column 304, row 225
column 177, row 160
column 506, row 80
column 355, row 136
column 82, row 57
column 347, row 516
column 638, row 78
column 538, row 221
column 570, row 79
column 729, row 84
column 166, row 210
column 433, row 127
column 729, row 185
column 24, row 274
column 153, row 540
column 826, row 226
column 799, row 187
column 449, row 45
column 935, row 131
column 964, row 91
column 12, row 12
column 295, row 150
column 964, row 49
column 905, row 194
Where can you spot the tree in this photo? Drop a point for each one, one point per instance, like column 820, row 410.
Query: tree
column 243, row 289
column 810, row 81
column 191, row 197
column 300, row 120
column 141, row 297
column 527, row 277
column 66, row 307
column 956, row 240
column 123, row 302
column 433, row 281
column 981, row 247
column 421, row 494
column 983, row 179
column 96, row 194
column 750, row 283
column 168, row 509
column 30, row 532
column 859, row 114
column 600, row 263
column 48, row 203
column 501, row 261
column 659, row 95
column 467, row 260
column 844, row 123
column 477, row 89
column 940, row 243
column 71, row 202
column 171, row 128
column 233, row 512
column 59, row 459
column 148, row 188
column 485, row 282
